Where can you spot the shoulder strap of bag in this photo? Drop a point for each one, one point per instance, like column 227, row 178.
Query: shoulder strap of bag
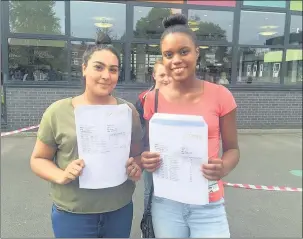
column 156, row 100
column 152, row 183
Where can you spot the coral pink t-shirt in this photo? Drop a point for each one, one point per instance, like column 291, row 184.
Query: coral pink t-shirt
column 215, row 102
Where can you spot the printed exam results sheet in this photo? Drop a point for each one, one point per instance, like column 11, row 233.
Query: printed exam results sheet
column 103, row 137
column 182, row 142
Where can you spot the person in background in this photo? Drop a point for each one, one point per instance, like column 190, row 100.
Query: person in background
column 77, row 212
column 160, row 79
column 188, row 95
column 223, row 79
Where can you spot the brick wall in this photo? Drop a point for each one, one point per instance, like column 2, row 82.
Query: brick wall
column 257, row 109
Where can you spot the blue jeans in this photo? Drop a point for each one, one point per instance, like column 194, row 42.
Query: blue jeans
column 172, row 219
column 148, row 180
column 116, row 224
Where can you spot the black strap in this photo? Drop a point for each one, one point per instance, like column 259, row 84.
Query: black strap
column 156, row 101
column 152, row 183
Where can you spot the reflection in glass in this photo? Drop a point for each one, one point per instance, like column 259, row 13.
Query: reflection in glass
column 37, row 60
column 165, row 1
column 295, row 37
column 143, row 58
column 224, row 3
column 294, row 66
column 262, row 28
column 211, row 25
column 214, row 64
column 2, row 99
column 105, row 17
column 259, row 65
column 42, row 17
column 271, row 3
column 148, row 21
column 296, row 5
column 79, row 47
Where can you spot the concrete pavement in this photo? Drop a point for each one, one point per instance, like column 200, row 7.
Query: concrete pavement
column 265, row 159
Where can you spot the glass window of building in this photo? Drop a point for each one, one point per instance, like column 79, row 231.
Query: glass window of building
column 213, row 3
column 295, row 37
column 211, row 25
column 148, row 21
column 40, row 17
column 37, row 60
column 214, row 64
column 106, row 17
column 2, row 98
column 77, row 50
column 143, row 58
column 279, row 3
column 259, row 65
column 262, row 28
column 294, row 67
column 296, row 5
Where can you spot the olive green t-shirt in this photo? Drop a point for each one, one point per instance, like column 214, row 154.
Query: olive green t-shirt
column 58, row 129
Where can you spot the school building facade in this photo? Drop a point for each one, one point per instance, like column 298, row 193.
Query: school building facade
column 252, row 47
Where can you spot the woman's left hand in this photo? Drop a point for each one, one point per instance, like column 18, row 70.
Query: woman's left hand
column 133, row 169
column 214, row 170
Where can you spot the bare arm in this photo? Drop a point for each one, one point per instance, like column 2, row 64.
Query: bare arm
column 42, row 164
column 146, row 136
column 231, row 152
column 135, row 152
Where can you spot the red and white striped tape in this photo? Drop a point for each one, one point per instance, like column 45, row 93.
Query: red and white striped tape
column 262, row 187
column 19, row 130
column 234, row 185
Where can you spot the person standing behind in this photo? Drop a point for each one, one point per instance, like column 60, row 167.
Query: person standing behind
column 188, row 95
column 160, row 79
column 77, row 212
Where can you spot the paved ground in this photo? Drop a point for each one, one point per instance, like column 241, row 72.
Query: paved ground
column 265, row 159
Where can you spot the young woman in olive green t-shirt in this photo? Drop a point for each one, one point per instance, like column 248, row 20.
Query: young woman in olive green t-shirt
column 77, row 212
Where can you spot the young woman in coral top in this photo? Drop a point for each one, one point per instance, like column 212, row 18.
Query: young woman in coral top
column 188, row 95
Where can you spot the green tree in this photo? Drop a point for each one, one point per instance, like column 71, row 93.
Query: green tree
column 34, row 17
column 151, row 26
column 30, row 54
column 108, row 31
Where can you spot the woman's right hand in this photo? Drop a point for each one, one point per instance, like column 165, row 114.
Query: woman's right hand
column 72, row 171
column 150, row 161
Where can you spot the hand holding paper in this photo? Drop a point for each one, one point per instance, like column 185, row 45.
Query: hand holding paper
column 133, row 170
column 213, row 170
column 150, row 161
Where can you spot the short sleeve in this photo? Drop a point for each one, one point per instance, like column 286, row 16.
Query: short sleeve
column 46, row 129
column 227, row 101
column 137, row 132
column 149, row 105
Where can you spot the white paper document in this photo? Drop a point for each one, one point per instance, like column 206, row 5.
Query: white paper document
column 182, row 142
column 104, row 138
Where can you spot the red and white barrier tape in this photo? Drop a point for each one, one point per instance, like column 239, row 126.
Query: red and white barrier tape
column 19, row 130
column 234, row 185
column 262, row 187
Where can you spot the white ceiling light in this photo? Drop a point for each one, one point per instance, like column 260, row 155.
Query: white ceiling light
column 267, row 33
column 103, row 25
